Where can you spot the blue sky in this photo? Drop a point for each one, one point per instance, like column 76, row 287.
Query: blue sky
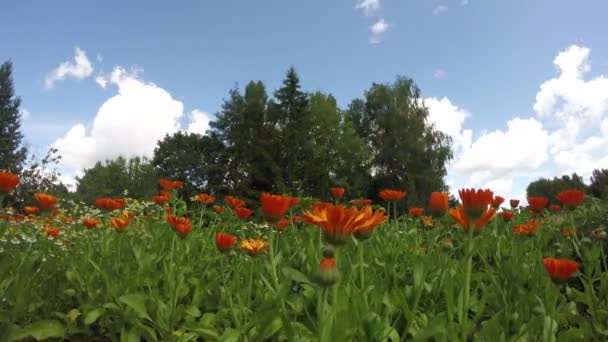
column 480, row 63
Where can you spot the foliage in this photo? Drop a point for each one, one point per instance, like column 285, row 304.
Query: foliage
column 12, row 153
column 599, row 183
column 551, row 187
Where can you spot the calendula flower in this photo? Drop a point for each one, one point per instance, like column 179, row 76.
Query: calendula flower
column 218, row 209
column 234, row 202
column 296, row 218
column 537, row 204
column 392, row 195
column 568, row 232
column 459, row 215
column 427, row 221
column 160, row 199
column 224, row 241
column 475, row 202
column 282, row 223
column 497, row 201
column 181, row 225
column 31, row 210
column 254, row 246
column 52, row 232
column 415, row 212
column 204, row 198
column 45, row 201
column 67, row 220
column 571, row 198
column 243, row 213
column 438, row 203
column 90, row 223
column 514, row 203
column 555, row 208
column 528, row 228
column 560, row 270
column 110, row 203
column 338, row 223
column 361, row 202
column 599, row 234
column 274, row 206
column 170, row 184
column 8, row 181
column 447, row 243
column 120, row 223
column 337, row 192
column 507, row 215
column 294, row 201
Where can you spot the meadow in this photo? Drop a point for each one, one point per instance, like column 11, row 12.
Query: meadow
column 296, row 269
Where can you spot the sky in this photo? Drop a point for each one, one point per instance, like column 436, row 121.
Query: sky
column 521, row 86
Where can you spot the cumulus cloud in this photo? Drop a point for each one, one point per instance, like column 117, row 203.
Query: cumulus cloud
column 199, row 122
column 440, row 9
column 80, row 68
column 368, row 7
column 377, row 30
column 449, row 119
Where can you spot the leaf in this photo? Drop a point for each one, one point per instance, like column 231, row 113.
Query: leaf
column 296, row 275
column 129, row 335
column 40, row 330
column 272, row 328
column 73, row 314
column 93, row 315
column 137, row 302
column 193, row 311
column 230, row 335
column 207, row 334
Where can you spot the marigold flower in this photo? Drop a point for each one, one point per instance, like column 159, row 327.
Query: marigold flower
column 254, row 246
column 45, row 201
column 507, row 215
column 296, row 218
column 170, row 184
column 294, row 201
column 569, row 232
column 555, row 208
column 160, row 199
column 427, row 221
column 67, row 220
column 120, row 223
column 8, row 181
column 181, row 225
column 274, row 206
column 438, row 203
column 459, row 215
column 571, row 198
column 110, row 203
column 337, row 192
column 31, row 210
column 90, row 223
column 362, row 202
column 243, row 213
column 497, row 201
column 415, row 212
column 392, row 195
column 327, row 273
column 282, row 223
column 218, row 209
column 514, row 203
column 321, row 205
column 476, row 202
column 234, row 202
column 204, row 198
column 52, row 232
column 527, row 228
column 537, row 204
column 560, row 270
column 224, row 241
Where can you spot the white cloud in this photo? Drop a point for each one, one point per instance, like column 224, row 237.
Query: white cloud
column 368, row 7
column 440, row 9
column 199, row 122
column 102, row 81
column 377, row 30
column 439, row 73
column 449, row 119
column 25, row 114
column 80, row 68
column 129, row 123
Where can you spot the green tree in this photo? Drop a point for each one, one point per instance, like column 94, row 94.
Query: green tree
column 113, row 177
column 12, row 153
column 549, row 188
column 599, row 183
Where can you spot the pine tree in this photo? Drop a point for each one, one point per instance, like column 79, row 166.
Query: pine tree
column 12, row 154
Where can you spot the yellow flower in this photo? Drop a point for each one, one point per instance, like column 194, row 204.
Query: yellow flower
column 254, row 246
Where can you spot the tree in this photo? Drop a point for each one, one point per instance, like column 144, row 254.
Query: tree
column 113, row 177
column 599, row 183
column 549, row 188
column 12, row 154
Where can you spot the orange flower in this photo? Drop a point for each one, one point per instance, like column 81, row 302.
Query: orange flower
column 497, row 201
column 507, row 215
column 438, row 203
column 328, row 264
column 475, row 202
column 274, row 206
column 243, row 213
column 571, row 198
column 170, row 184
column 52, row 232
column 166, row 193
column 296, row 218
column 527, row 228
column 224, row 241
column 321, row 205
column 560, row 270
column 90, row 223
column 234, row 202
column 458, row 214
column 294, row 201
column 569, row 232
column 8, row 181
column 218, row 209
column 338, row 223
column 120, row 223
column 427, row 221
column 205, row 198
column 392, row 195
column 514, row 203
column 160, row 199
column 361, row 202
column 46, row 201
column 67, row 220
column 181, row 225
column 254, row 246
column 538, row 204
column 283, row 222
column 415, row 212
column 555, row 208
column 109, row 203
column 337, row 192
column 31, row 210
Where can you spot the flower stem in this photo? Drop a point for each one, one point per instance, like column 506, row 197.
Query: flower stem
column 467, row 285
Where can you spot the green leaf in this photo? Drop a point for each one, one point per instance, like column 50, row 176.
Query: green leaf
column 230, row 335
column 40, row 330
column 93, row 315
column 207, row 334
column 272, row 328
column 296, row 275
column 193, row 311
column 137, row 302
column 129, row 335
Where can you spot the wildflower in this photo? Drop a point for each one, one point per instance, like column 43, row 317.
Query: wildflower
column 243, row 213
column 8, row 181
column 427, row 221
column 438, row 203
column 527, row 228
column 459, row 215
column 361, row 202
column 338, row 223
column 555, row 208
column 254, row 246
column 415, row 212
column 537, row 204
column 181, row 225
column 497, row 201
column 120, row 223
column 31, row 210
column 475, row 202
column 67, row 220
column 337, row 192
column 507, row 215
column 224, row 241
column 218, row 209
column 234, row 202
column 160, row 199
column 327, row 272
column 571, row 198
column 282, row 223
column 560, row 270
column 52, row 232
column 90, row 223
column 392, row 195
column 293, row 201
column 45, row 201
column 514, row 203
column 274, row 206
column 170, row 184
column 204, row 198
column 109, row 203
